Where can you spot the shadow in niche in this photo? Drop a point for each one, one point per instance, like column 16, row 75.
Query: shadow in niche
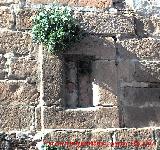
column 138, row 106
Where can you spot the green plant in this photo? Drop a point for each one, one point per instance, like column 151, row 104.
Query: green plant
column 56, row 28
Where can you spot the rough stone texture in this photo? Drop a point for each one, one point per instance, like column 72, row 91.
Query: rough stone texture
column 139, row 48
column 22, row 68
column 136, row 138
column 83, row 3
column 97, row 46
column 139, row 71
column 24, row 19
column 81, row 136
column 141, row 116
column 53, row 80
column 147, row 71
column 2, row 66
column 141, row 96
column 15, row 42
column 16, row 118
column 81, row 119
column 105, row 76
column 6, row 18
column 8, row 1
column 146, row 26
column 101, row 23
column 18, row 93
column 38, row 124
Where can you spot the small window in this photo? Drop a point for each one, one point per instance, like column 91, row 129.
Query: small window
column 78, row 89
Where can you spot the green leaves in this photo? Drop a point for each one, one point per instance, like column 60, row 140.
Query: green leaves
column 56, row 28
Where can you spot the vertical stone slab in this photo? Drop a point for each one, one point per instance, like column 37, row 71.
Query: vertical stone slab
column 53, row 79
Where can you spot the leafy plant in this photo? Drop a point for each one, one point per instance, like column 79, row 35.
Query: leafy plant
column 56, row 28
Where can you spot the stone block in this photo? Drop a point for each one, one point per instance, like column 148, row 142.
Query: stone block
column 53, row 80
column 18, row 93
column 145, row 48
column 4, row 2
column 2, row 66
column 146, row 26
column 15, row 42
column 21, row 69
column 147, row 71
column 103, row 139
column 139, row 71
column 16, row 118
column 38, row 119
column 92, row 22
column 24, row 19
column 82, row 3
column 89, row 137
column 141, row 96
column 86, row 118
column 104, row 23
column 135, row 139
column 105, row 79
column 6, row 18
column 96, row 46
column 141, row 116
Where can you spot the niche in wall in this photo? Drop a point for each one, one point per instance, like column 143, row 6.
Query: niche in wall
column 78, row 85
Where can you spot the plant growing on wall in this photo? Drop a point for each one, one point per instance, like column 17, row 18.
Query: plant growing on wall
column 56, row 28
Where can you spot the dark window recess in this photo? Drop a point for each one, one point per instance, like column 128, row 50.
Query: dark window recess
column 78, row 83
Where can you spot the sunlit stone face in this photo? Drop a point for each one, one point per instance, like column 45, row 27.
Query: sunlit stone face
column 145, row 6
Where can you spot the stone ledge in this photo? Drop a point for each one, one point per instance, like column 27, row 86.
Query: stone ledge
column 99, row 118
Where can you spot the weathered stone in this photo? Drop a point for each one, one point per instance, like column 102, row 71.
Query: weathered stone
column 141, row 96
column 18, row 93
column 6, row 18
column 146, row 26
column 103, row 23
column 126, row 70
column 68, row 136
column 21, row 69
column 105, row 77
column 2, row 67
column 38, row 122
column 134, row 139
column 147, row 71
column 81, row 119
column 146, row 48
column 92, row 22
column 16, row 118
column 103, row 139
column 8, row 1
column 24, row 19
column 18, row 43
column 83, row 3
column 87, row 139
column 139, row 71
column 53, row 80
column 141, row 116
column 97, row 46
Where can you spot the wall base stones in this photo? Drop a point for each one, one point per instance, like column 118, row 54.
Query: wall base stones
column 120, row 89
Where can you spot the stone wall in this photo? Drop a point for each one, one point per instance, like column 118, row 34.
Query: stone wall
column 124, row 49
